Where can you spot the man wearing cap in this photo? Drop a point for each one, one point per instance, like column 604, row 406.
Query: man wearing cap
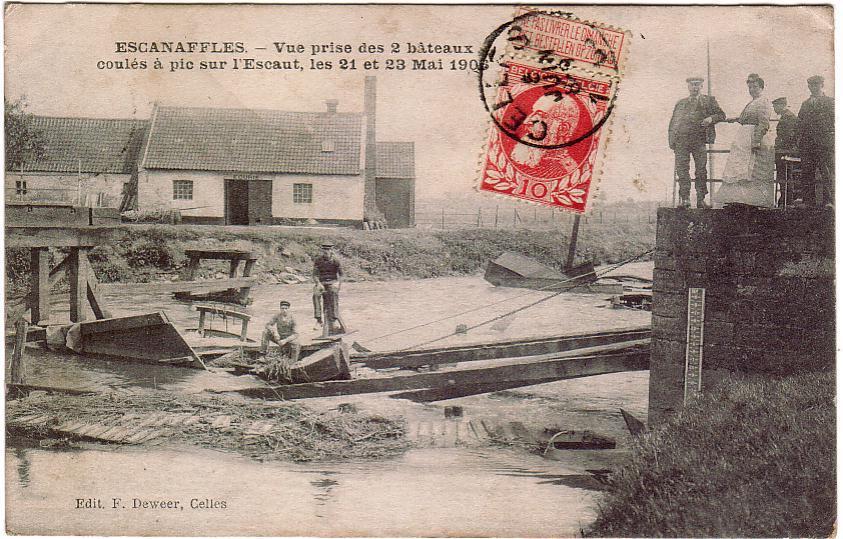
column 327, row 273
column 281, row 329
column 785, row 146
column 691, row 128
column 815, row 138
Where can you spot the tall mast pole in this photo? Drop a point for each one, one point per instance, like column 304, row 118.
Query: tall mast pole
column 709, row 146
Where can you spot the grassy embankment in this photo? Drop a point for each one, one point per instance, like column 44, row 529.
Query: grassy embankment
column 142, row 253
column 755, row 457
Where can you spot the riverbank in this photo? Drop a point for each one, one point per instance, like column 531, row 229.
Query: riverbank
column 148, row 253
column 754, row 457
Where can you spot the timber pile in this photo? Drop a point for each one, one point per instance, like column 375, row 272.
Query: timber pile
column 262, row 431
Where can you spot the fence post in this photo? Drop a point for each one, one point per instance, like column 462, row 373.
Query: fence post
column 443, row 218
column 496, row 215
column 479, row 217
column 514, row 216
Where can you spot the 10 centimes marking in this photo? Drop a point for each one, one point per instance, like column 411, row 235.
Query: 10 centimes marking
column 547, row 114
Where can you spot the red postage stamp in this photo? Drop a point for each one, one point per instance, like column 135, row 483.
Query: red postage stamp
column 546, row 136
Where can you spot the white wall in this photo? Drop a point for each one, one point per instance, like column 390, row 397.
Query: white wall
column 334, row 197
column 155, row 190
column 59, row 187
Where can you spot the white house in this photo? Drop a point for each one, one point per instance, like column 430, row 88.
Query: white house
column 251, row 167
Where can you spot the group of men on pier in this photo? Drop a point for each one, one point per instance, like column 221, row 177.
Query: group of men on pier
column 806, row 138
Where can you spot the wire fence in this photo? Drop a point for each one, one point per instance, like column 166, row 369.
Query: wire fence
column 509, row 217
column 58, row 195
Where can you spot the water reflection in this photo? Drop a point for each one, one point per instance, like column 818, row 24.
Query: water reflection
column 437, row 492
column 23, row 466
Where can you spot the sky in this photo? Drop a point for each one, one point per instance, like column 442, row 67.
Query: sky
column 52, row 52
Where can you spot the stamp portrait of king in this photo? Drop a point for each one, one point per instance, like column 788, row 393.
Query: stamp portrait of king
column 546, row 137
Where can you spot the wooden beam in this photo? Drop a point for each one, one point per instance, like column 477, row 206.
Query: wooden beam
column 220, row 254
column 53, row 236
column 211, row 285
column 527, row 373
column 39, row 267
column 16, row 368
column 515, row 348
column 445, row 393
column 77, row 275
column 93, row 297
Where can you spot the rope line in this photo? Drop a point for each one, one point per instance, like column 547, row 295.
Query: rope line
column 525, row 307
column 533, row 291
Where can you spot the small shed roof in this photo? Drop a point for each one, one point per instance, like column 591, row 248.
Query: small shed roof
column 396, row 160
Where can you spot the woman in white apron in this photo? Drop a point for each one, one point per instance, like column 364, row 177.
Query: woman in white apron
column 748, row 176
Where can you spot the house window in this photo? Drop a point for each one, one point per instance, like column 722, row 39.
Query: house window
column 328, row 145
column 302, row 193
column 20, row 187
column 182, row 189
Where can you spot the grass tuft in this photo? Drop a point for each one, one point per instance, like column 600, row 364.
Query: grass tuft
column 755, row 457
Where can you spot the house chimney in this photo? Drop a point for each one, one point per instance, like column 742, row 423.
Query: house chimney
column 331, row 105
column 370, row 108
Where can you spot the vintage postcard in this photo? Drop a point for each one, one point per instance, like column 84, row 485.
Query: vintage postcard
column 419, row 270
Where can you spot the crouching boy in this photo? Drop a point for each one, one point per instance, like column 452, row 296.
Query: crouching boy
column 281, row 329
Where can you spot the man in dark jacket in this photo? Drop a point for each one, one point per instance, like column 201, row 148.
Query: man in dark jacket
column 816, row 144
column 691, row 128
column 327, row 274
column 785, row 147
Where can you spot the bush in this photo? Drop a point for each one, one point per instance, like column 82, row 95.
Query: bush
column 149, row 253
column 754, row 457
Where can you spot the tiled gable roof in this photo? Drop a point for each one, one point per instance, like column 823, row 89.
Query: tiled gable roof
column 396, row 160
column 244, row 140
column 96, row 145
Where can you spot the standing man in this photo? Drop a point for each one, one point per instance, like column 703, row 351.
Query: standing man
column 691, row 128
column 328, row 273
column 816, row 144
column 785, row 146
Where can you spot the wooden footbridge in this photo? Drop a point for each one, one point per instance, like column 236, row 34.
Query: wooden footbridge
column 423, row 375
column 447, row 373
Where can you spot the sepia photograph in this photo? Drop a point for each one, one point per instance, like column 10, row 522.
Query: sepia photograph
column 393, row 270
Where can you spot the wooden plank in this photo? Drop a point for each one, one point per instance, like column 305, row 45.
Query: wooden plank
column 105, row 216
column 33, row 334
column 515, row 348
column 36, row 214
column 220, row 254
column 16, row 368
column 77, row 276
column 466, row 390
column 192, row 266
column 232, row 268
column 52, row 236
column 222, row 311
column 637, row 358
column 39, row 262
column 111, row 325
column 151, row 344
column 195, row 287
column 91, row 291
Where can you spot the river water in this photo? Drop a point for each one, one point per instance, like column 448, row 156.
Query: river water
column 460, row 491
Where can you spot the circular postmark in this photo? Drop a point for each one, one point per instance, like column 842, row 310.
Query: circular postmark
column 513, row 111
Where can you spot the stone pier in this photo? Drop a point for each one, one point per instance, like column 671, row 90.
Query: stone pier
column 769, row 301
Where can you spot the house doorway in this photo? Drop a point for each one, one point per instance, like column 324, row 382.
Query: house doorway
column 248, row 202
